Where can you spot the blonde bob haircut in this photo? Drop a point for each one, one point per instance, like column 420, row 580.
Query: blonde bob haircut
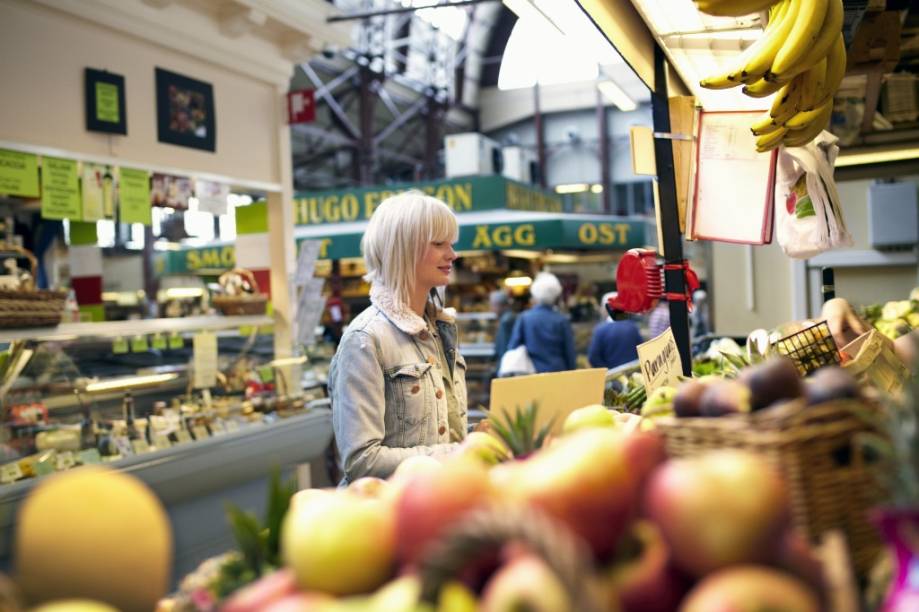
column 397, row 235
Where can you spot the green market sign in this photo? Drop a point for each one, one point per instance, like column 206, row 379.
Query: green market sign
column 463, row 195
column 600, row 233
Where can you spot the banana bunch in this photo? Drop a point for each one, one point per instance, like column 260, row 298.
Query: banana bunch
column 801, row 58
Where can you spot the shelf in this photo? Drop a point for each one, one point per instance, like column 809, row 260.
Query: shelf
column 135, row 327
column 475, row 316
column 485, row 349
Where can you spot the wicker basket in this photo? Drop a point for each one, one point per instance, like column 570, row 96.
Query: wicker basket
column 874, row 361
column 29, row 307
column 830, row 485
column 490, row 528
column 246, row 304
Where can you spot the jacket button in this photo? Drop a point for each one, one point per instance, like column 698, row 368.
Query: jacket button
column 416, row 389
column 439, row 394
column 423, row 335
column 441, row 430
column 431, row 360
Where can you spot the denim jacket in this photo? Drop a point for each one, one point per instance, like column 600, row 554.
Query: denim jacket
column 388, row 394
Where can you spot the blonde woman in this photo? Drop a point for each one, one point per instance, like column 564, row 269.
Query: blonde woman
column 397, row 381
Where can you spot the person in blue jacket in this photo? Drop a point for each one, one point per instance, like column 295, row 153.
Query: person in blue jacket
column 614, row 341
column 546, row 332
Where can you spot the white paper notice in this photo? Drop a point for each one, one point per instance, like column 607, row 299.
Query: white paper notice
column 204, row 362
column 212, row 197
column 306, row 262
column 660, row 361
column 309, row 310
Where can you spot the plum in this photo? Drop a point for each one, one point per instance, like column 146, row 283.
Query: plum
column 831, row 383
column 687, row 399
column 773, row 381
column 725, row 397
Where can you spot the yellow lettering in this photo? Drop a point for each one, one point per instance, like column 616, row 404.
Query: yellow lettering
column 623, row 229
column 324, row 248
column 210, row 258
column 228, row 256
column 445, row 194
column 502, row 236
column 482, row 239
column 428, row 189
column 300, row 212
column 314, row 211
column 371, row 201
column 606, row 234
column 525, row 235
column 587, row 233
column 349, row 207
column 330, row 208
column 464, row 196
column 191, row 260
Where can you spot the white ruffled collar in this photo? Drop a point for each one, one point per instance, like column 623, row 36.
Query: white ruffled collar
column 401, row 315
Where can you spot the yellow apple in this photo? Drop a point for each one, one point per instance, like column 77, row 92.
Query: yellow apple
column 595, row 415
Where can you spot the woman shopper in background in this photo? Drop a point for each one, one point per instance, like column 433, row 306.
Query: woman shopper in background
column 397, row 381
column 544, row 331
column 614, row 341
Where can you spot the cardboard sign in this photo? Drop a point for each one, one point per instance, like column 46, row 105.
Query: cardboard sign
column 556, row 394
column 204, row 361
column 660, row 361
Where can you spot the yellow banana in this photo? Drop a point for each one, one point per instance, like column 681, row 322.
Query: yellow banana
column 769, row 141
column 722, row 81
column 832, row 25
column 835, row 70
column 801, row 37
column 812, row 85
column 785, row 103
column 764, row 125
column 732, row 8
column 798, row 138
column 771, row 41
column 762, row 88
column 803, row 119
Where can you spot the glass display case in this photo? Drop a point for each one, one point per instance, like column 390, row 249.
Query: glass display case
column 200, row 426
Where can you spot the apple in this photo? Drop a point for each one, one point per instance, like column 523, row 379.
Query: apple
column 307, row 496
column 264, row 591
column 339, row 544
column 751, row 588
column 456, row 597
column 795, row 556
column 718, row 509
column 648, row 582
column 368, row 486
column 299, row 602
column 595, row 415
column 431, row 502
column 585, row 481
column 74, row 605
column 644, row 452
column 484, row 447
column 525, row 583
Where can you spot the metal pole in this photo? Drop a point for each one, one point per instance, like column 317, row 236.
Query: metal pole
column 540, row 137
column 365, row 143
column 672, row 248
column 606, row 197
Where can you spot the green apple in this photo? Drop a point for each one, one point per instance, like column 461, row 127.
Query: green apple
column 595, row 415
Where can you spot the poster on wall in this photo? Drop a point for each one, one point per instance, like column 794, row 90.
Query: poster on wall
column 18, row 174
column 212, row 197
column 185, row 111
column 105, row 102
column 99, row 192
column 171, row 191
column 60, row 189
column 134, row 196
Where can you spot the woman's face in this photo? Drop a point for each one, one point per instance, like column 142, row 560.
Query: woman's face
column 435, row 265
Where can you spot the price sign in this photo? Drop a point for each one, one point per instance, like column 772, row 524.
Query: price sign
column 158, row 342
column 176, row 341
column 120, row 346
column 660, row 362
column 139, row 344
column 10, row 472
column 65, row 461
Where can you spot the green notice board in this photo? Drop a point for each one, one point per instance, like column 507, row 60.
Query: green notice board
column 107, row 102
column 18, row 174
column 135, row 196
column 60, row 194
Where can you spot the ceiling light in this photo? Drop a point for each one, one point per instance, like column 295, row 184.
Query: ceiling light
column 572, row 188
column 858, row 158
column 129, row 382
column 287, row 361
column 598, row 188
column 518, row 281
column 614, row 94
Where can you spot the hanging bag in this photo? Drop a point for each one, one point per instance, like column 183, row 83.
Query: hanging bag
column 516, row 361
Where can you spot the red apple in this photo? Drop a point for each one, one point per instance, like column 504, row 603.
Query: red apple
column 264, row 591
column 431, row 502
column 525, row 583
column 718, row 509
column 339, row 544
column 585, row 481
column 648, row 582
column 750, row 588
column 644, row 452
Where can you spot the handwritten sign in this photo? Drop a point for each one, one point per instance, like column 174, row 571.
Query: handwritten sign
column 660, row 361
column 60, row 196
column 18, row 174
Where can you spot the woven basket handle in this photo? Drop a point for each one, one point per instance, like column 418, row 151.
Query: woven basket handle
column 21, row 252
column 249, row 276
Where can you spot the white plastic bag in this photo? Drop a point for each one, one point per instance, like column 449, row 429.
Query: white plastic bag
column 516, row 362
column 808, row 212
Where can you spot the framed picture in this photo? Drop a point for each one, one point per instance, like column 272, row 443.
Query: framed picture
column 185, row 111
column 105, row 105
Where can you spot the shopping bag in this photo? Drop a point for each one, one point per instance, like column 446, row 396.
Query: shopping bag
column 808, row 213
column 516, row 362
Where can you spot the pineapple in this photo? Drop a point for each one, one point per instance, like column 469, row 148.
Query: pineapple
column 518, row 431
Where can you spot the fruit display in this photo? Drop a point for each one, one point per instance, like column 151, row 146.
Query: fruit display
column 894, row 318
column 800, row 60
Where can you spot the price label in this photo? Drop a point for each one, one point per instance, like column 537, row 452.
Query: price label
column 10, row 472
column 160, row 441
column 139, row 344
column 65, row 461
column 660, row 361
column 45, row 465
column 123, row 445
column 140, row 446
column 182, row 437
column 90, row 456
column 158, row 342
column 200, row 432
column 120, row 346
column 176, row 341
